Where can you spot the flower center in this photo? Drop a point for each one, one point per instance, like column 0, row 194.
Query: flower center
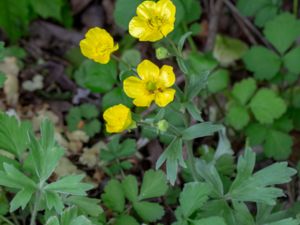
column 155, row 22
column 151, row 86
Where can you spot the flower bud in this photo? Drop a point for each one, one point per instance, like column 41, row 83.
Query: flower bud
column 162, row 53
column 162, row 125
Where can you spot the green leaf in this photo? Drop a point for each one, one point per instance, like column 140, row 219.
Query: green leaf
column 113, row 196
column 13, row 134
column 192, row 10
column 227, row 50
column 70, row 185
column 131, row 57
column 114, row 97
column 258, row 54
column 210, row 174
column 173, row 156
column 89, row 111
column 13, row 178
column 288, row 221
column 192, row 197
column 21, row 199
column 130, row 188
column 256, row 133
column 200, row 130
column 48, row 8
column 53, row 200
column 154, row 184
column 89, row 206
column 14, row 18
column 92, row 127
column 99, row 78
column 278, row 145
column 218, row 81
column 210, row 221
column 2, row 79
column 125, row 219
column 149, row 211
column 242, row 91
column 237, row 116
column 255, row 188
column 284, row 37
column 53, row 220
column 291, row 60
column 124, row 12
column 267, row 106
column 266, row 14
column 250, row 8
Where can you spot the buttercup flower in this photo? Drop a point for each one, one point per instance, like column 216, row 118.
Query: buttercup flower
column 153, row 84
column 118, row 118
column 154, row 20
column 98, row 45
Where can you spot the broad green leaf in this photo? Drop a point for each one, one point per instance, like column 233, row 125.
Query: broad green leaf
column 4, row 203
column 172, row 156
column 125, row 219
column 99, row 78
column 154, row 184
column 114, row 97
column 218, row 81
column 284, row 37
column 149, row 211
column 131, row 58
column 278, row 144
column 266, row 14
column 13, row 134
column 192, row 197
column 192, row 10
column 244, row 90
column 291, row 60
column 21, row 199
column 89, row 206
column 125, row 11
column 70, row 185
column 237, row 116
column 89, row 111
column 242, row 214
column 130, row 188
column 267, row 106
column 48, row 8
column 256, row 133
column 227, row 50
column 250, row 8
column 200, row 130
column 210, row 221
column 92, row 127
column 14, row 18
column 264, row 63
column 113, row 196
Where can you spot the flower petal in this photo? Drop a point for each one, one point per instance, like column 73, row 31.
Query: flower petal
column 164, row 98
column 146, row 9
column 137, row 27
column 166, row 10
column 144, row 100
column 134, row 87
column 166, row 77
column 148, row 71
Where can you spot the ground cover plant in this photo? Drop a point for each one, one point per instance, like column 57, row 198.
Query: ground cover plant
column 126, row 112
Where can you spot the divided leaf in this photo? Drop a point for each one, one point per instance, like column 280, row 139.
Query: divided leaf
column 244, row 90
column 267, row 106
column 149, row 211
column 113, row 196
column 291, row 60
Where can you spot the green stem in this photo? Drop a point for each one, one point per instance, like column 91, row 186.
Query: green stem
column 296, row 7
column 2, row 218
column 190, row 39
column 36, row 205
column 191, row 160
column 14, row 218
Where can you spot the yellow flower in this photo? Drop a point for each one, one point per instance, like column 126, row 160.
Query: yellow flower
column 118, row 118
column 154, row 20
column 153, row 84
column 98, row 45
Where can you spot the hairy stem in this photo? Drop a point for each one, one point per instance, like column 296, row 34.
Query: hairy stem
column 35, row 207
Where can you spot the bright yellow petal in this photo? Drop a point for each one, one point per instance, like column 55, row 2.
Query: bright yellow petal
column 137, row 27
column 144, row 100
column 134, row 87
column 148, row 71
column 103, row 59
column 166, row 9
column 98, row 35
column 146, row 9
column 166, row 77
column 164, row 98
column 87, row 49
